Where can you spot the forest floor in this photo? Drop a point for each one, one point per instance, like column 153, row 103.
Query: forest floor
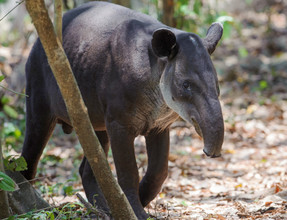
column 249, row 180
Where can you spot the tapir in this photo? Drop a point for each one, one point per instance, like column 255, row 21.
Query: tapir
column 136, row 76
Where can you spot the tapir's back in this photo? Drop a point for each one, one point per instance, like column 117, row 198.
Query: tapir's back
column 102, row 15
column 102, row 49
column 88, row 29
column 96, row 21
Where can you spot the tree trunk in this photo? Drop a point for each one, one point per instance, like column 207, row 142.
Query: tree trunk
column 58, row 7
column 4, row 204
column 168, row 12
column 77, row 110
column 126, row 3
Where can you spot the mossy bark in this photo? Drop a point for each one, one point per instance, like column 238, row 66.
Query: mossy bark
column 78, row 112
column 58, row 8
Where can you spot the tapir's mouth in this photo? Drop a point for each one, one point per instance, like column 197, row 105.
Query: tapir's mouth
column 197, row 128
column 212, row 156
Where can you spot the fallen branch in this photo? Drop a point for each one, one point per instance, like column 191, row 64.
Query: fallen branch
column 91, row 208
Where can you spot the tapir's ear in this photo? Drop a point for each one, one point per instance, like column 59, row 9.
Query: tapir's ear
column 164, row 43
column 213, row 35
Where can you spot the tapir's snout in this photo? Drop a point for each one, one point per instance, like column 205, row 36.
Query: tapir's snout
column 210, row 126
column 212, row 155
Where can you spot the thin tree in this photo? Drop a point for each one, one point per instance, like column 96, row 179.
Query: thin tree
column 168, row 12
column 126, row 3
column 77, row 110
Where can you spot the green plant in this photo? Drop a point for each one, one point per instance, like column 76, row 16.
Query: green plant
column 10, row 133
column 263, row 85
column 196, row 16
column 66, row 211
column 58, row 188
column 14, row 163
column 9, row 110
column 12, row 120
column 6, row 183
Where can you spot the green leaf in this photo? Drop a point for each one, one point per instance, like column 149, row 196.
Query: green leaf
column 9, row 166
column 17, row 133
column 15, row 164
column 263, row 84
column 227, row 22
column 227, row 28
column 68, row 190
column 50, row 215
column 12, row 217
column 6, row 183
column 2, row 77
column 223, row 19
column 5, row 100
column 9, row 128
column 10, row 111
column 21, row 164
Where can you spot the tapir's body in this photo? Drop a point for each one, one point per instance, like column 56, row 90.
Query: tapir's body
column 136, row 77
column 115, row 80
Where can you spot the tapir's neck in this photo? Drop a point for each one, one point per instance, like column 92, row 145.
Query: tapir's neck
column 156, row 112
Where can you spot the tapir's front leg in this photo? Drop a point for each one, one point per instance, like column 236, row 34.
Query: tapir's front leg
column 157, row 144
column 122, row 144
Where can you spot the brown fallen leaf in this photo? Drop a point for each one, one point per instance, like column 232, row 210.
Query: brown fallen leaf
column 268, row 203
column 220, row 217
column 277, row 187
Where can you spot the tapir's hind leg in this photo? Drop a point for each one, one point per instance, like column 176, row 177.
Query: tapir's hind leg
column 39, row 126
column 91, row 187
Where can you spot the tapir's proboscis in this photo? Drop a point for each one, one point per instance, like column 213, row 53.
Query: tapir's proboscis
column 137, row 76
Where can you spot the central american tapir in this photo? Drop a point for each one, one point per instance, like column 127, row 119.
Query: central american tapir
column 136, row 76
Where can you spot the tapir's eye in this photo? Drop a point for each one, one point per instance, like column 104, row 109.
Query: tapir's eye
column 186, row 85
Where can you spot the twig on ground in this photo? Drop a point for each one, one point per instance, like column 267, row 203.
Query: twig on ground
column 91, row 208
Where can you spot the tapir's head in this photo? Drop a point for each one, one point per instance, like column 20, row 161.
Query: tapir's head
column 189, row 82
